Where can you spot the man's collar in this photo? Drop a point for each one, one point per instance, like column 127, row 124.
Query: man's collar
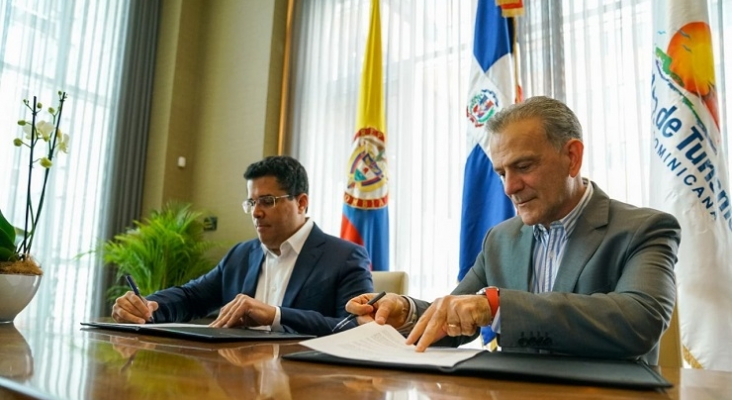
column 569, row 220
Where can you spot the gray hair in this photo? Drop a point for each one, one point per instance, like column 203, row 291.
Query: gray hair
column 560, row 123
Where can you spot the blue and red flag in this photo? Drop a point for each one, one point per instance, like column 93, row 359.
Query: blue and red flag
column 365, row 214
column 493, row 85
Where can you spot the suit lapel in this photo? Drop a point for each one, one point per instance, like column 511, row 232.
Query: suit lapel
column 256, row 257
column 585, row 239
column 522, row 259
column 305, row 264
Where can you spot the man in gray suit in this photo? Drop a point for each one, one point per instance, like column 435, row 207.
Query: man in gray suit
column 575, row 272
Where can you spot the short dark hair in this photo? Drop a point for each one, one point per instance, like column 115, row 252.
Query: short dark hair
column 290, row 174
column 560, row 122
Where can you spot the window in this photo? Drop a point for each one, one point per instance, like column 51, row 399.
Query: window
column 46, row 46
column 595, row 55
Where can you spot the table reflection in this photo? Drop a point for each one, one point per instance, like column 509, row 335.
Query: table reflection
column 124, row 365
column 236, row 370
column 270, row 380
column 104, row 364
column 153, row 367
column 17, row 358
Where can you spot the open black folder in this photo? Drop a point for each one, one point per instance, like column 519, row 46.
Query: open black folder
column 200, row 333
column 538, row 367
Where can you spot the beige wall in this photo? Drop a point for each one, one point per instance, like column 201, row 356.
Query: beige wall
column 216, row 102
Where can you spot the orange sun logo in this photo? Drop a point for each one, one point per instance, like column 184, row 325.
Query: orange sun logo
column 692, row 63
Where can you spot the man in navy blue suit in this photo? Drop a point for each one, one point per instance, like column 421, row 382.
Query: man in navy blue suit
column 293, row 278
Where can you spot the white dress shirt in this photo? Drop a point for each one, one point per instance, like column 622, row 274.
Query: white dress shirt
column 277, row 270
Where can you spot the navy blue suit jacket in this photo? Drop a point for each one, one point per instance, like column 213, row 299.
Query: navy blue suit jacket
column 328, row 272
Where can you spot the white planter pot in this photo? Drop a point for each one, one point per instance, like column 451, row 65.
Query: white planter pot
column 16, row 291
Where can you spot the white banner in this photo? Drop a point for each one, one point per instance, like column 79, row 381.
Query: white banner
column 689, row 178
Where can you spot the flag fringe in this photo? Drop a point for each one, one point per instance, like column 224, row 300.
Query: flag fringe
column 689, row 358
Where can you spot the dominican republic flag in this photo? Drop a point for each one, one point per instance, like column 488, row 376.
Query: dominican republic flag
column 689, row 177
column 493, row 86
column 365, row 213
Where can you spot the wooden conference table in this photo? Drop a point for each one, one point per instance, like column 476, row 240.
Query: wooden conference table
column 102, row 364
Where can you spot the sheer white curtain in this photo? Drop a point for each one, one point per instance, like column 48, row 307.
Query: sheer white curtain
column 426, row 65
column 595, row 55
column 46, row 46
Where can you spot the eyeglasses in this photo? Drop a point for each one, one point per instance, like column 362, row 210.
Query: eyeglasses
column 263, row 202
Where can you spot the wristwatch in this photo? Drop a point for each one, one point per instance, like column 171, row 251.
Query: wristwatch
column 493, row 294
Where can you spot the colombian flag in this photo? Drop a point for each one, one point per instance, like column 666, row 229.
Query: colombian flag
column 493, row 85
column 365, row 214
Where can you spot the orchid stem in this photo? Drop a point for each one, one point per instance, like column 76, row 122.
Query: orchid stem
column 52, row 148
column 23, row 250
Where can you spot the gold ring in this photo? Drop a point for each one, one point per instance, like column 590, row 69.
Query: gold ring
column 452, row 325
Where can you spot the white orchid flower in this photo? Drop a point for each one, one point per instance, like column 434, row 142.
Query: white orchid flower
column 27, row 130
column 63, row 144
column 43, row 130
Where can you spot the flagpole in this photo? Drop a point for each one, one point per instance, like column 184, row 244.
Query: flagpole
column 284, row 91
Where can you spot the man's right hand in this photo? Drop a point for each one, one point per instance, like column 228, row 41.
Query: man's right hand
column 392, row 309
column 130, row 308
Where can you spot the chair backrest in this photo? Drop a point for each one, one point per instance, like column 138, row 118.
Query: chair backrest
column 670, row 348
column 391, row 282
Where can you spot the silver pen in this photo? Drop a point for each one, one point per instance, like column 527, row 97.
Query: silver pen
column 352, row 316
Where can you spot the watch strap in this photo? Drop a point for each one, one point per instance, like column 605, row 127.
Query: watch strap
column 492, row 293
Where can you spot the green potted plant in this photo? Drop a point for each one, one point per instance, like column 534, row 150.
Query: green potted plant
column 20, row 274
column 166, row 249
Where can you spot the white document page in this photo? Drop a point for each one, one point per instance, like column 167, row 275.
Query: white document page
column 171, row 325
column 174, row 325
column 165, row 325
column 374, row 342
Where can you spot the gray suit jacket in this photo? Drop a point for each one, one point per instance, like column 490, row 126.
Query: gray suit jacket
column 614, row 291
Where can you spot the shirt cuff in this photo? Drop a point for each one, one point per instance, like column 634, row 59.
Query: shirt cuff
column 276, row 327
column 411, row 318
column 496, row 324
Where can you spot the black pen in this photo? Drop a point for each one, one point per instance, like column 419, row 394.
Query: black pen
column 134, row 288
column 352, row 316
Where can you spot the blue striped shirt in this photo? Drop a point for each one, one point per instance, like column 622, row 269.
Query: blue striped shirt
column 550, row 245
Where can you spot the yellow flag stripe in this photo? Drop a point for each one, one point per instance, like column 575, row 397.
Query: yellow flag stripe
column 371, row 95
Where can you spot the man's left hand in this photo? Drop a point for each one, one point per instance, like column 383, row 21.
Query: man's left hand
column 450, row 315
column 244, row 311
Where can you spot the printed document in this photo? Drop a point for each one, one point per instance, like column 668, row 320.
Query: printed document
column 382, row 343
column 167, row 325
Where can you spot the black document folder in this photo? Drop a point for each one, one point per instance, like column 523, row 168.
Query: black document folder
column 537, row 367
column 203, row 333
